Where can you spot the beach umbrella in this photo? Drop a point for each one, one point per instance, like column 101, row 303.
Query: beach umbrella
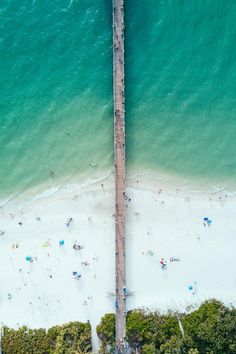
column 190, row 287
column 205, row 219
column 61, row 242
column 28, row 258
column 76, row 275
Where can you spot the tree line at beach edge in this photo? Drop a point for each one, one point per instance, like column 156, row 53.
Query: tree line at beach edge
column 211, row 329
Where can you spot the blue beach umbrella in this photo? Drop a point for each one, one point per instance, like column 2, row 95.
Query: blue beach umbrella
column 205, row 219
column 28, row 258
column 190, row 287
column 77, row 275
column 61, row 242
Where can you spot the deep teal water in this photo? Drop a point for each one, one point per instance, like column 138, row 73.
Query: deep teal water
column 181, row 86
column 56, row 88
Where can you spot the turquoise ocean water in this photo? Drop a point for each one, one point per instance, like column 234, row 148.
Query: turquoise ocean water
column 56, row 89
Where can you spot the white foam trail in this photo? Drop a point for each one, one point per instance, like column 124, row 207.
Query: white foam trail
column 5, row 202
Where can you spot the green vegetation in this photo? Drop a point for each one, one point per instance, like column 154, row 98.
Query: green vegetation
column 106, row 333
column 71, row 338
column 211, row 329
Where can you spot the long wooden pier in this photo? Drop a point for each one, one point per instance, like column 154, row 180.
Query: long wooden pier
column 119, row 147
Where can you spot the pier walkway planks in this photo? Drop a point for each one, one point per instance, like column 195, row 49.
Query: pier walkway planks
column 119, row 147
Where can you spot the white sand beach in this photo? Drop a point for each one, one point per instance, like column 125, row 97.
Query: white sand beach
column 168, row 222
column 163, row 221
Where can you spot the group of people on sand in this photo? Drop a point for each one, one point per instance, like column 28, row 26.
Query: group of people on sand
column 48, row 243
column 76, row 246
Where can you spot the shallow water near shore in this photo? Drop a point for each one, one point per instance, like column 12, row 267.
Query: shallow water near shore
column 56, row 89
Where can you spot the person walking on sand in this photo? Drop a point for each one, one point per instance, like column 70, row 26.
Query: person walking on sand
column 69, row 222
column 163, row 263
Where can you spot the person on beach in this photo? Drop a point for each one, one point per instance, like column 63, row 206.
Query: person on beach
column 85, row 263
column 69, row 222
column 207, row 221
column 150, row 253
column 77, row 247
column 163, row 263
column 174, row 259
